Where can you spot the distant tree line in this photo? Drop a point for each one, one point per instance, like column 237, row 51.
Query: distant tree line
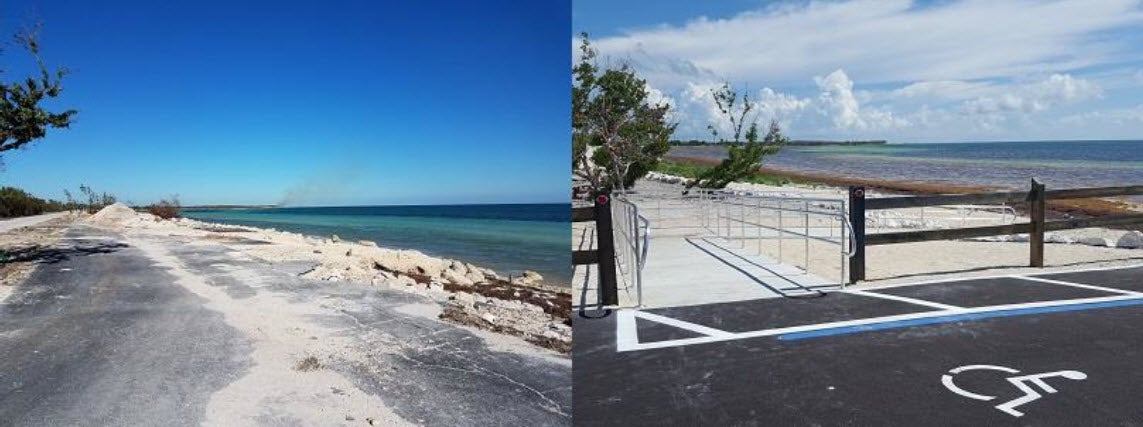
column 15, row 202
column 802, row 142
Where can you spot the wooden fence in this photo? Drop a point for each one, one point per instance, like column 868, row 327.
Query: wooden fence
column 1036, row 198
column 604, row 253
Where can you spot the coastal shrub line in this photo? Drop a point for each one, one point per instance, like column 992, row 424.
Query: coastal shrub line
column 167, row 208
column 694, row 170
column 15, row 202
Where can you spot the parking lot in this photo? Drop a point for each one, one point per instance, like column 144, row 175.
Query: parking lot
column 1045, row 349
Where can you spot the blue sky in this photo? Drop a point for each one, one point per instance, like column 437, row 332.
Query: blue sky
column 902, row 70
column 260, row 102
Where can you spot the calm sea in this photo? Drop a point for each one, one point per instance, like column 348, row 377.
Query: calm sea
column 1060, row 164
column 505, row 238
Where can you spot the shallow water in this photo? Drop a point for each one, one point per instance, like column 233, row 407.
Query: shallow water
column 1060, row 164
column 505, row 238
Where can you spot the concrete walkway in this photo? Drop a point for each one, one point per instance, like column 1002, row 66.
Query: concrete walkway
column 691, row 270
column 701, row 270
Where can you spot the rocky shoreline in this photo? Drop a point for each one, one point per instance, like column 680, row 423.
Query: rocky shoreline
column 471, row 295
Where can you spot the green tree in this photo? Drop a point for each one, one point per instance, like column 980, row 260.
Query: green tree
column 23, row 118
column 745, row 152
column 618, row 134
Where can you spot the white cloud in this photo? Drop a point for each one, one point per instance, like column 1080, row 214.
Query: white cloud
column 884, row 41
column 956, row 69
column 780, row 106
column 1115, row 117
column 836, row 106
column 838, row 102
column 1056, row 90
column 941, row 90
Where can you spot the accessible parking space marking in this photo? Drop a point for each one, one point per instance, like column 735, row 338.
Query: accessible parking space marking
column 1078, row 285
column 903, row 299
column 627, row 331
column 627, row 337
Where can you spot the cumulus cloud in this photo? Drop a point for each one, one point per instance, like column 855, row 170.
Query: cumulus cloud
column 884, row 40
column 1115, row 117
column 1056, row 90
column 836, row 105
column 968, row 69
column 941, row 90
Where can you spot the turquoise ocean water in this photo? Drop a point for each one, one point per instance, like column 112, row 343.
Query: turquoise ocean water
column 505, row 238
column 1060, row 164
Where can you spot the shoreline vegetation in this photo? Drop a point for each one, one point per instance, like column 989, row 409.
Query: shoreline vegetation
column 689, row 167
column 792, row 142
column 520, row 306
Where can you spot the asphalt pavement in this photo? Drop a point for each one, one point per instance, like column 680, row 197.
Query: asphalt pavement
column 1052, row 349
column 101, row 335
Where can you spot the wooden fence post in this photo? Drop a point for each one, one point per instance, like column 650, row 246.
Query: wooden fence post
column 857, row 221
column 1036, row 205
column 605, row 247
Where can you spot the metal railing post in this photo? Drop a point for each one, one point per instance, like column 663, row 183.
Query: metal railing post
column 806, row 239
column 841, row 239
column 857, row 223
column 742, row 223
column 781, row 230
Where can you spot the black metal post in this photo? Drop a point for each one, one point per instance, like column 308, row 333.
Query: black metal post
column 605, row 247
column 857, row 221
column 1036, row 207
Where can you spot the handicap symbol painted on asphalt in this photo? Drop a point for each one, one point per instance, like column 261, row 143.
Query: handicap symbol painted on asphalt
column 1028, row 384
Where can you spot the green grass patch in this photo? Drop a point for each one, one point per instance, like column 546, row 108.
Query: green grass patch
column 693, row 170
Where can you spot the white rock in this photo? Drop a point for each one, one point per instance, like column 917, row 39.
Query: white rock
column 464, row 298
column 1130, row 240
column 488, row 317
column 1095, row 241
column 532, row 277
column 454, row 277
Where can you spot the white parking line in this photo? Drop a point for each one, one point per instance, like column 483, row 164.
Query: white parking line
column 995, row 276
column 902, row 299
column 627, row 341
column 627, row 334
column 1078, row 285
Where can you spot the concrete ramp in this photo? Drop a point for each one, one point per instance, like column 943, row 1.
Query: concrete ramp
column 704, row 270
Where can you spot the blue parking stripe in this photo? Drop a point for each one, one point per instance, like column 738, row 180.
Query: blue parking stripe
column 965, row 317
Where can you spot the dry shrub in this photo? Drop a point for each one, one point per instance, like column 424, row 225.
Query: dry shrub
column 166, row 208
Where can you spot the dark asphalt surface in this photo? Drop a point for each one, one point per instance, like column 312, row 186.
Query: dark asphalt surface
column 100, row 336
column 884, row 377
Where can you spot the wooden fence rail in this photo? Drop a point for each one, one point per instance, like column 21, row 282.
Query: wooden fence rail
column 1036, row 198
column 604, row 253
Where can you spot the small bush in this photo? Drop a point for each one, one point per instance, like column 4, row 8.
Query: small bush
column 166, row 208
column 308, row 364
